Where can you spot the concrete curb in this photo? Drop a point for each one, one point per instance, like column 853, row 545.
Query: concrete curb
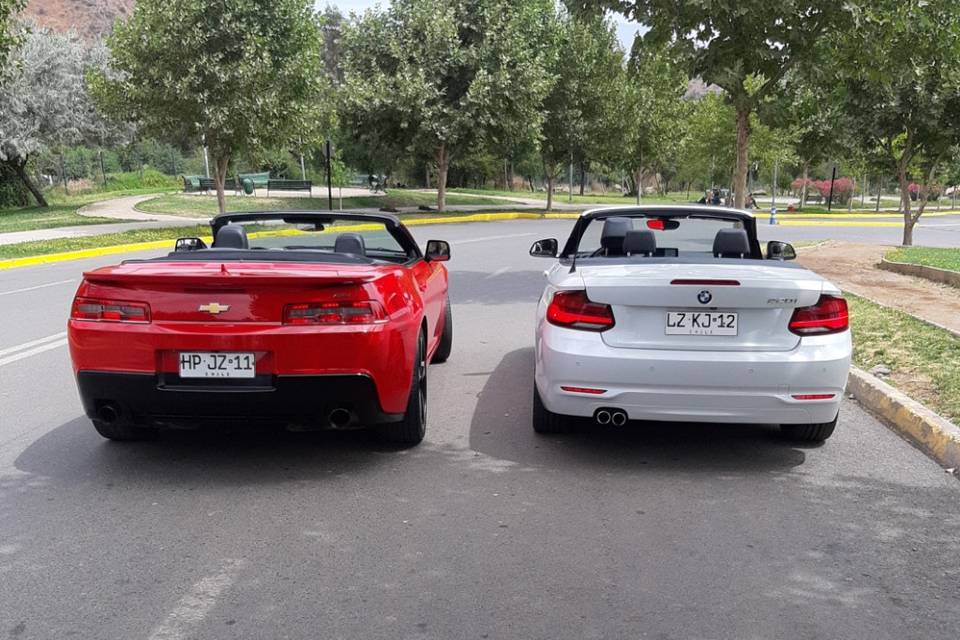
column 29, row 261
column 936, row 436
column 934, row 274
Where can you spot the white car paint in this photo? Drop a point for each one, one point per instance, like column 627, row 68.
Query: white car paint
column 749, row 378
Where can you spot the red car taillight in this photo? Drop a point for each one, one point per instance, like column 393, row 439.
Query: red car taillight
column 339, row 312
column 110, row 310
column 829, row 315
column 572, row 309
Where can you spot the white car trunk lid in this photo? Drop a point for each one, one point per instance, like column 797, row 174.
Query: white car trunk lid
column 761, row 295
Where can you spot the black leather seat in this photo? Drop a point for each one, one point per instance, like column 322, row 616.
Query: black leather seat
column 350, row 243
column 612, row 235
column 231, row 236
column 731, row 243
column 640, row 242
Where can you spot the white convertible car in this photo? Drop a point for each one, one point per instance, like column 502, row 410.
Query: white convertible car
column 673, row 313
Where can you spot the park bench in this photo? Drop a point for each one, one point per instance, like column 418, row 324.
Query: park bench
column 288, row 185
column 208, row 184
column 191, row 183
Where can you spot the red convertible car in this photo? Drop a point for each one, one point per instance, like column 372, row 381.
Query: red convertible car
column 309, row 320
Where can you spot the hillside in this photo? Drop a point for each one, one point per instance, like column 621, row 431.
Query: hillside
column 89, row 18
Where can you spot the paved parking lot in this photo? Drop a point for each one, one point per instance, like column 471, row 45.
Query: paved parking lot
column 484, row 531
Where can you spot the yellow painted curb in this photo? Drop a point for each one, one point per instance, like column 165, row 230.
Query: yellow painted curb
column 936, row 436
column 835, row 223
column 30, row 261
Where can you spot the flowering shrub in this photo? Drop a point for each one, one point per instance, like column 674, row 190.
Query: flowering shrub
column 797, row 184
column 933, row 191
column 842, row 189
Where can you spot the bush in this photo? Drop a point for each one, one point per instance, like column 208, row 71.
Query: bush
column 12, row 191
column 842, row 189
column 135, row 180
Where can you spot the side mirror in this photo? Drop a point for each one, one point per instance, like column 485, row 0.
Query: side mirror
column 437, row 251
column 189, row 244
column 546, row 248
column 777, row 250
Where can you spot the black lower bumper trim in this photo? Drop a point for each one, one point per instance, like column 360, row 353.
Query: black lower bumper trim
column 159, row 401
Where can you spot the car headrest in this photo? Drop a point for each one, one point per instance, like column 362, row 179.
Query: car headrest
column 231, row 236
column 639, row 242
column 350, row 243
column 731, row 243
column 613, row 233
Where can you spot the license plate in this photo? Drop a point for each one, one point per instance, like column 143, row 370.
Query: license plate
column 701, row 323
column 201, row 364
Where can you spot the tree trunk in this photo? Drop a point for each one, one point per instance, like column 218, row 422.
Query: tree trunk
column 743, row 142
column 803, row 190
column 443, row 165
column 20, row 168
column 639, row 181
column 549, row 189
column 532, row 188
column 908, row 219
column 222, row 163
column 426, row 175
column 583, row 177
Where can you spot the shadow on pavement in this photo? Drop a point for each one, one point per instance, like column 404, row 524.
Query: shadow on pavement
column 501, row 428
column 75, row 452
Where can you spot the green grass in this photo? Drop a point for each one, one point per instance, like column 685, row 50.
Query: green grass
column 59, row 245
column 924, row 360
column 46, row 247
column 927, row 256
column 562, row 198
column 62, row 211
column 206, row 206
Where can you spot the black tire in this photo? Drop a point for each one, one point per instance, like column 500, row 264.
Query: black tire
column 446, row 338
column 810, row 432
column 544, row 420
column 123, row 432
column 411, row 430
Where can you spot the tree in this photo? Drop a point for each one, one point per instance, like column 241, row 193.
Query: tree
column 654, row 116
column 816, row 122
column 244, row 77
column 707, row 150
column 11, row 32
column 899, row 72
column 743, row 46
column 44, row 101
column 446, row 76
column 580, row 113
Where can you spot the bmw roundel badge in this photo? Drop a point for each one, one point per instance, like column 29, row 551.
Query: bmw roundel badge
column 704, row 297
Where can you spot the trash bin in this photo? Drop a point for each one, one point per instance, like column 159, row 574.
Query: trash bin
column 247, row 184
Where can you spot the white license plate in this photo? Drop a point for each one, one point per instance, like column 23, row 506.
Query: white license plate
column 701, row 323
column 202, row 364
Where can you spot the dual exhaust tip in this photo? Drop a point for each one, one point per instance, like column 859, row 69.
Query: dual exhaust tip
column 616, row 417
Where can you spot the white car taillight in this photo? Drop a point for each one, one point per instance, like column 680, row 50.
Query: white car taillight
column 572, row 309
column 829, row 315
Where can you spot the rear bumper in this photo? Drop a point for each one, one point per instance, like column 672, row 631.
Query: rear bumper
column 163, row 400
column 692, row 386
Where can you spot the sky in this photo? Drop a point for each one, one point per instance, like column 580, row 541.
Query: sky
column 625, row 30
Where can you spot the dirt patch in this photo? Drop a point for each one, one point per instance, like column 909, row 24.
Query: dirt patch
column 852, row 267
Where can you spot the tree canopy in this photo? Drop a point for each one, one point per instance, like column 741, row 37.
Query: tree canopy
column 241, row 77
column 445, row 76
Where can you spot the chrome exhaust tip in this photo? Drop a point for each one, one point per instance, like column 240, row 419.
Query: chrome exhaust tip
column 618, row 418
column 602, row 416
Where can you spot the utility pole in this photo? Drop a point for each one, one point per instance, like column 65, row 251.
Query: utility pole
column 303, row 170
column 329, row 178
column 570, row 182
column 773, row 192
column 206, row 159
column 879, row 184
column 833, row 177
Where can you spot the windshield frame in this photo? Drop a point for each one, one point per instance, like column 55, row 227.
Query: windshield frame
column 572, row 245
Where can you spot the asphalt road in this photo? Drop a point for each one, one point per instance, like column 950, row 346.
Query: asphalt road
column 484, row 531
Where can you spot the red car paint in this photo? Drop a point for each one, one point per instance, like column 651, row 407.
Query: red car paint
column 412, row 294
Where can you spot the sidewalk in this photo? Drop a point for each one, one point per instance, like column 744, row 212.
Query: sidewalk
column 852, row 268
